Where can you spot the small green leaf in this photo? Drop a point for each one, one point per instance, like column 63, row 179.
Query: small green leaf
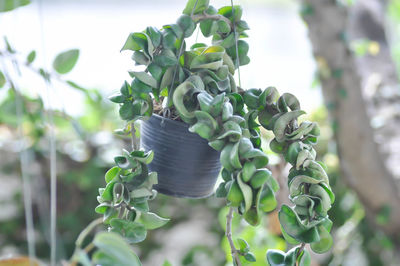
column 247, row 193
column 250, row 257
column 117, row 98
column 145, row 78
column 2, row 79
column 304, row 259
column 152, row 221
column 325, row 242
column 65, row 61
column 112, row 173
column 167, row 263
column 31, row 57
column 197, row 6
column 133, row 232
column 8, row 5
column 127, row 111
column 243, row 245
column 276, row 257
column 116, row 248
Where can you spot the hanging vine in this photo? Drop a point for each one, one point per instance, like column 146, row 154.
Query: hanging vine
column 197, row 85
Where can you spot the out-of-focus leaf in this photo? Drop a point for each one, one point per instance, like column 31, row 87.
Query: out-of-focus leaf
column 116, row 248
column 8, row 5
column 65, row 61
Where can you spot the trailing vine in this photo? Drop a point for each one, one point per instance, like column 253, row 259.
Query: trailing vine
column 197, row 85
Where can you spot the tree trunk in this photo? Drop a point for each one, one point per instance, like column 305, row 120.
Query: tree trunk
column 355, row 90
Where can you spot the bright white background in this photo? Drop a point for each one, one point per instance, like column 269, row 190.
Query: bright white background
column 279, row 48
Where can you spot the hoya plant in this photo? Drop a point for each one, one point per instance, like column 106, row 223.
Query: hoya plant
column 194, row 86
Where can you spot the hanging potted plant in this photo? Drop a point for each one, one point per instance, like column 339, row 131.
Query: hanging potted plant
column 195, row 115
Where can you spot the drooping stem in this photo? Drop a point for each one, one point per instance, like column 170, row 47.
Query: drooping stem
column 199, row 17
column 234, row 251
column 86, row 231
column 134, row 139
column 302, row 246
column 79, row 241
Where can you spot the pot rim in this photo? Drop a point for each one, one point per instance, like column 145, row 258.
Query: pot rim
column 177, row 123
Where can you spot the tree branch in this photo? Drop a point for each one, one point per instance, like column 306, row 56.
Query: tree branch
column 361, row 159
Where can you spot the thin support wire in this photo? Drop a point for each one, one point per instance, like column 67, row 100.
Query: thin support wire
column 24, row 164
column 177, row 65
column 236, row 43
column 53, row 156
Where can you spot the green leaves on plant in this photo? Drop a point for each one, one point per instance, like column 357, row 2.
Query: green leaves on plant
column 65, row 61
column 145, row 78
column 8, row 5
column 152, row 221
column 112, row 248
column 291, row 258
column 233, row 14
column 2, row 80
column 195, row 6
column 132, row 232
column 31, row 57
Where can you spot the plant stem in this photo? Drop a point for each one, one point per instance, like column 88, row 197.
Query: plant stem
column 302, row 246
column 86, row 231
column 234, row 251
column 204, row 16
column 135, row 142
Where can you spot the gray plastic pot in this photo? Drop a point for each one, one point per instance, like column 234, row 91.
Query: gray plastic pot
column 186, row 166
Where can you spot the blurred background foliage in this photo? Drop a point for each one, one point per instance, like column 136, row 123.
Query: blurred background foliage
column 195, row 235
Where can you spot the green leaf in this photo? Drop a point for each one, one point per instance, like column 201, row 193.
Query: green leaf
column 133, row 232
column 233, row 15
column 243, row 245
column 117, row 98
column 83, row 258
column 235, row 195
column 152, row 221
column 187, row 25
column 2, row 79
column 127, row 111
column 155, row 35
column 166, row 58
column 8, row 5
column 145, row 78
column 112, row 173
column 275, row 257
column 134, row 44
column 31, row 56
column 250, row 257
column 325, row 242
column 102, row 208
column 247, row 193
column 304, row 259
column 267, row 200
column 259, row 178
column 112, row 245
column 196, row 8
column 65, row 61
column 293, row 227
column 76, row 86
column 167, row 263
column 283, row 121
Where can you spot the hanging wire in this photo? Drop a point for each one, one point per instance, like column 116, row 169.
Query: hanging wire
column 53, row 155
column 179, row 56
column 24, row 164
column 24, row 159
column 236, row 43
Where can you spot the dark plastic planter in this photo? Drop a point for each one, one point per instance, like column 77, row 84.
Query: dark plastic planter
column 186, row 165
